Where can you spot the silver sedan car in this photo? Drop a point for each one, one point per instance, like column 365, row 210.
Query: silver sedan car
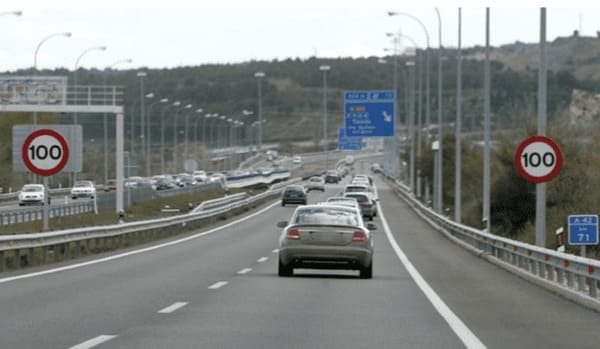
column 326, row 237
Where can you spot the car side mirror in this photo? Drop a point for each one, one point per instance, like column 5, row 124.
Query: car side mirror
column 371, row 226
column 282, row 224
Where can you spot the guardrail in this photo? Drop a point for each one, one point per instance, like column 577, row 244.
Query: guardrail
column 40, row 248
column 28, row 214
column 573, row 277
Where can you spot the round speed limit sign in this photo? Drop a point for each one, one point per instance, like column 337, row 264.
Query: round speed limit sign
column 45, row 152
column 538, row 159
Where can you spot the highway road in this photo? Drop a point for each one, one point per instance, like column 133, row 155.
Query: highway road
column 219, row 288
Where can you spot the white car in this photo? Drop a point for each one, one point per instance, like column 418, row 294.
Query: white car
column 315, row 183
column 83, row 189
column 200, row 176
column 32, row 194
column 297, row 160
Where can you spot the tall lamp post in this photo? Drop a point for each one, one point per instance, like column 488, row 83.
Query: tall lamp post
column 149, row 134
column 325, row 69
column 176, row 135
column 439, row 194
column 196, row 141
column 186, row 133
column 105, row 117
column 411, row 122
column 162, row 135
column 142, row 75
column 37, row 49
column 458, row 145
column 95, row 48
column 259, row 76
column 75, row 92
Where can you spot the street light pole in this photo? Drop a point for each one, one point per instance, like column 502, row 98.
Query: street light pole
column 486, row 125
column 176, row 136
column 325, row 69
column 458, row 145
column 95, row 48
column 35, row 55
column 259, row 76
column 105, row 118
column 439, row 196
column 162, row 136
column 411, row 122
column 142, row 75
column 149, row 135
column 75, row 91
column 199, row 110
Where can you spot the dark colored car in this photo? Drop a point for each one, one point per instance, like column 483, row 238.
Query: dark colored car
column 332, row 177
column 164, row 184
column 293, row 194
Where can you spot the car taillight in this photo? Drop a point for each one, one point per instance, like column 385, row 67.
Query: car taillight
column 293, row 234
column 359, row 236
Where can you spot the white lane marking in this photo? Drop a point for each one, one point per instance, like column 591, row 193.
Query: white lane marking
column 218, row 285
column 171, row 308
column 262, row 259
column 460, row 329
column 94, row 342
column 244, row 271
column 131, row 253
column 275, row 251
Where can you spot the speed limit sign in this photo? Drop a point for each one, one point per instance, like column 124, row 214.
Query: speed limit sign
column 538, row 159
column 45, row 152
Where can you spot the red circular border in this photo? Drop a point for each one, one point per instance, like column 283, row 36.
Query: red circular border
column 45, row 132
column 559, row 159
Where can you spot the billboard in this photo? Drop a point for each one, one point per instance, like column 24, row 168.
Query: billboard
column 33, row 90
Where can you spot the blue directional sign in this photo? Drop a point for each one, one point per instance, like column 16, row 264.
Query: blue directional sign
column 583, row 230
column 348, row 143
column 369, row 113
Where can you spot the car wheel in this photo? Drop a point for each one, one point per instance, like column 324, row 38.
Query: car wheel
column 371, row 217
column 73, row 197
column 283, row 203
column 21, row 204
column 367, row 272
column 285, row 270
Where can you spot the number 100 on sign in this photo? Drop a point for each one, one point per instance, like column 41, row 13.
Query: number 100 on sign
column 538, row 159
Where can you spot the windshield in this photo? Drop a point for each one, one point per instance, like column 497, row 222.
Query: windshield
column 32, row 189
column 326, row 216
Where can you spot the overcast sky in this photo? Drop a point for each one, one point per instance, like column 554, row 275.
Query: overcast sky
column 196, row 32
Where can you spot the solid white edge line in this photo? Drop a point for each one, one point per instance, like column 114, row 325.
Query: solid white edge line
column 131, row 253
column 218, row 285
column 94, row 342
column 468, row 338
column 171, row 308
column 262, row 259
column 244, row 271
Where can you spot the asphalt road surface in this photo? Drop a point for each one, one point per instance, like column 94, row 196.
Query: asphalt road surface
column 219, row 289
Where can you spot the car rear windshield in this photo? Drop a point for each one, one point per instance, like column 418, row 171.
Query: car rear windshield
column 31, row 189
column 315, row 179
column 359, row 198
column 326, row 216
column 355, row 188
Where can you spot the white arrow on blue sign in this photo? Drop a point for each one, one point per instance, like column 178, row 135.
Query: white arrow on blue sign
column 369, row 113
